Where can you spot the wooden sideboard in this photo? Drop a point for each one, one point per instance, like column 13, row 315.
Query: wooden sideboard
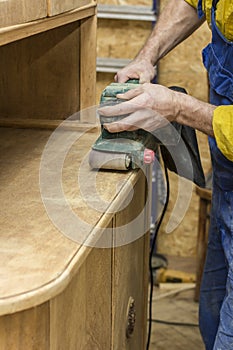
column 57, row 293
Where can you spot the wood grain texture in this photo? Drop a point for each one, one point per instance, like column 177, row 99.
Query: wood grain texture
column 32, row 268
column 88, row 67
column 47, row 124
column 14, row 12
column 130, row 274
column 26, row 330
column 56, row 7
column 81, row 315
column 40, row 78
column 25, row 30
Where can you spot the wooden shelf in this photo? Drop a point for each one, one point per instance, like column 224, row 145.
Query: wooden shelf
column 17, row 32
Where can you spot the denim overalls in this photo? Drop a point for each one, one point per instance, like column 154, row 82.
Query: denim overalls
column 216, row 296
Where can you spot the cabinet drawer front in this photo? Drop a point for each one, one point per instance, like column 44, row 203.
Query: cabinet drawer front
column 56, row 7
column 16, row 12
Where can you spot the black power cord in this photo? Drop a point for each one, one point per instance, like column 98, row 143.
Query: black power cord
column 151, row 268
column 157, row 227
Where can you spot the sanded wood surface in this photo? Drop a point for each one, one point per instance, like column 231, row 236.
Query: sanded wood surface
column 37, row 261
column 81, row 316
column 26, row 330
column 15, row 12
column 56, row 7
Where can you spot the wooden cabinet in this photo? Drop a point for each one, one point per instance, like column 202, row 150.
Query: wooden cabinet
column 57, row 292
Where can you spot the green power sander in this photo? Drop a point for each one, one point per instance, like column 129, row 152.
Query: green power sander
column 123, row 150
column 132, row 149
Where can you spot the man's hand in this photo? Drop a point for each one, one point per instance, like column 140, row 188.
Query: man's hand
column 140, row 69
column 151, row 106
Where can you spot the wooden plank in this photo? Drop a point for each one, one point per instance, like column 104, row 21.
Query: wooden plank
column 47, row 124
column 81, row 316
column 28, row 329
column 14, row 12
column 88, row 67
column 56, row 7
column 21, row 31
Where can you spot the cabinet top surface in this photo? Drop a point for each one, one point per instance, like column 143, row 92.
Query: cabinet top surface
column 52, row 208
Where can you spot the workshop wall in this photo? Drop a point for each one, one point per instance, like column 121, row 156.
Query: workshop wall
column 183, row 67
column 119, row 38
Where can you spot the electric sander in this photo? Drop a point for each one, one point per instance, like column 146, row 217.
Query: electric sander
column 132, row 149
column 122, row 150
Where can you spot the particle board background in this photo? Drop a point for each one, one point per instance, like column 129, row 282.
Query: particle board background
column 183, row 67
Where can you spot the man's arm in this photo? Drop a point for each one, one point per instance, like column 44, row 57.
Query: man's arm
column 176, row 22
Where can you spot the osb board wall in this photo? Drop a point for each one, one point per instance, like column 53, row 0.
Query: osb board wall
column 183, row 67
column 119, row 39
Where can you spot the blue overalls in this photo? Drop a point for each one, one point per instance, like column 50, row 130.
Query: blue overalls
column 216, row 296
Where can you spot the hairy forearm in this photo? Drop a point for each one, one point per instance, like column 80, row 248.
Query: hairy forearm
column 195, row 113
column 177, row 21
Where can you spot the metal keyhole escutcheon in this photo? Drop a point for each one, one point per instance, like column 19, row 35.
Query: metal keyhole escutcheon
column 131, row 318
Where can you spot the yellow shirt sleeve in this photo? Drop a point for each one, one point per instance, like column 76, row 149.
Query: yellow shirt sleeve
column 223, row 129
column 193, row 3
column 224, row 15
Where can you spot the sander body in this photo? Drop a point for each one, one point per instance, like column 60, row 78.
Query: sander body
column 132, row 149
column 122, row 150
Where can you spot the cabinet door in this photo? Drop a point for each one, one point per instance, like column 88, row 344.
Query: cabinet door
column 17, row 12
column 130, row 278
column 56, row 7
column 80, row 316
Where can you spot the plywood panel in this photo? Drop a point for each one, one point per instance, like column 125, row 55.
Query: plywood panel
column 56, row 7
column 26, row 330
column 81, row 315
column 16, row 12
column 39, row 76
